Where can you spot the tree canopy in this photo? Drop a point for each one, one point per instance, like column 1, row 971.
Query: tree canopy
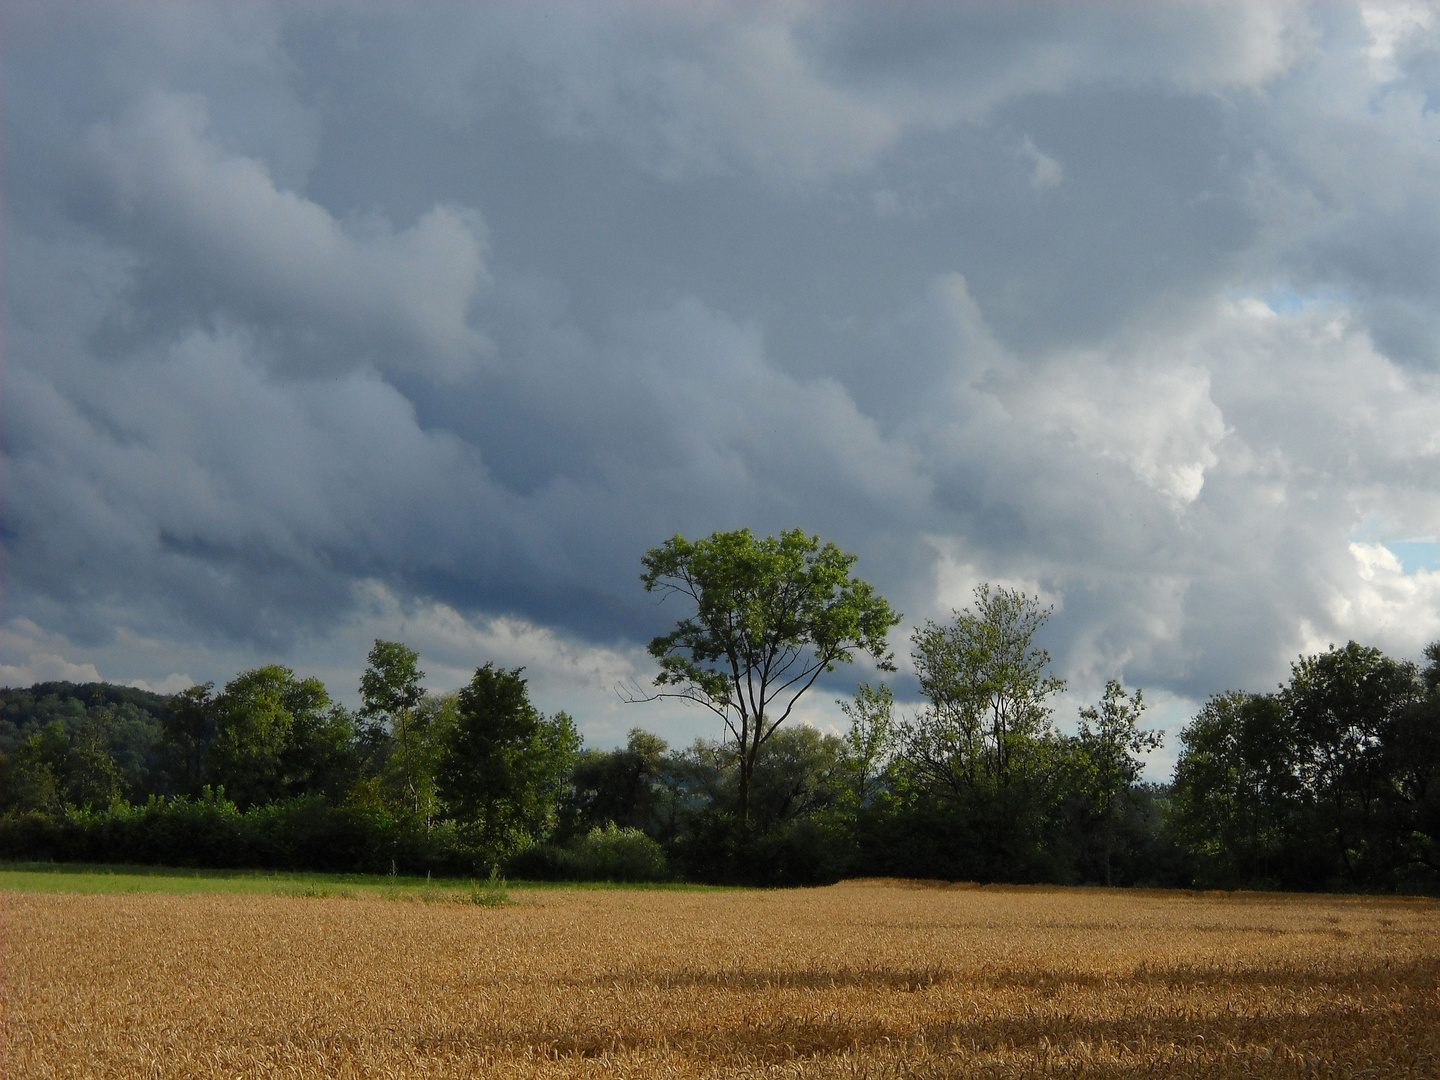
column 390, row 690
column 988, row 686
column 506, row 763
column 1330, row 781
column 769, row 616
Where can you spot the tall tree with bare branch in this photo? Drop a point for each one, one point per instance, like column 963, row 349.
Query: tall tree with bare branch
column 770, row 616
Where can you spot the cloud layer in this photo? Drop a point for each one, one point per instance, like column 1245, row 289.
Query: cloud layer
column 331, row 322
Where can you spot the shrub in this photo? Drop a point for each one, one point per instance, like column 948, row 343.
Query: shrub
column 307, row 833
column 608, row 854
column 616, row 854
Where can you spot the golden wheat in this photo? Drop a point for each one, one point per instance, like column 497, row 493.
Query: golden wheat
column 864, row 979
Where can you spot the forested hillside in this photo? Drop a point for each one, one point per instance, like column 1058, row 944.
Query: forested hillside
column 102, row 742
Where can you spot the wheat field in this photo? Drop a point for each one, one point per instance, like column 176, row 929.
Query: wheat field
column 862, row 979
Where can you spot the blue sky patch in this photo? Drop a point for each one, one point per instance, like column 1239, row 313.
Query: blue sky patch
column 1416, row 554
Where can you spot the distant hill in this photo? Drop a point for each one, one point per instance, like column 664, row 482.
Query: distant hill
column 128, row 720
column 25, row 710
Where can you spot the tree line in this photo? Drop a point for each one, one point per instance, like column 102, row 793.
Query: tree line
column 1330, row 781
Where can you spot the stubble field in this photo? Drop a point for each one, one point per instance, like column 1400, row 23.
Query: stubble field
column 863, row 979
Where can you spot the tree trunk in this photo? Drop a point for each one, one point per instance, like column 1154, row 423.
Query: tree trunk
column 747, row 769
column 405, row 747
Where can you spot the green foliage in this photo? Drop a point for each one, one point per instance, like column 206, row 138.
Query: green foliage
column 398, row 779
column 1334, row 781
column 616, row 854
column 770, row 616
column 134, row 715
column 432, row 726
column 63, row 744
column 390, row 685
column 1329, row 783
column 1237, row 788
column 92, row 778
column 1112, row 742
column 1412, row 762
column 33, row 775
column 1105, row 764
column 626, row 786
column 611, row 853
column 799, row 773
column 506, row 764
column 491, row 892
column 988, row 722
column 1344, row 707
column 279, row 736
column 53, row 769
column 390, row 690
column 189, row 720
column 984, row 787
column 871, row 740
column 212, row 831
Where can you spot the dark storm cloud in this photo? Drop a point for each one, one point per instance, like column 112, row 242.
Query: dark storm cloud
column 320, row 320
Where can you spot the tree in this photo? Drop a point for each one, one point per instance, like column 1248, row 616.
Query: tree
column 799, row 771
column 390, row 689
column 621, row 786
column 988, row 689
column 1345, row 705
column 123, row 721
column 1412, row 755
column 34, row 773
column 770, row 616
column 53, row 769
column 1109, row 744
column 274, row 732
column 189, row 725
column 92, row 779
column 871, row 738
column 506, row 764
column 1237, row 788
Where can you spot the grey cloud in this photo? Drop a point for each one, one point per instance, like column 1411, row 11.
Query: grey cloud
column 466, row 308
column 219, row 232
column 805, row 91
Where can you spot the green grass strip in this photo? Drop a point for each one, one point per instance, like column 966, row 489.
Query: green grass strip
column 119, row 879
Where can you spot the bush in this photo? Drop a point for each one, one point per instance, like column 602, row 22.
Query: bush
column 801, row 852
column 620, row 855
column 608, row 854
column 804, row 851
column 307, row 833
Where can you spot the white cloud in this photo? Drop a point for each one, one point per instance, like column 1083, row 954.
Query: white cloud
column 47, row 667
column 171, row 684
column 29, row 654
column 956, row 580
column 747, row 93
column 454, row 645
column 1045, row 170
column 1379, row 604
column 1156, row 417
column 1392, row 26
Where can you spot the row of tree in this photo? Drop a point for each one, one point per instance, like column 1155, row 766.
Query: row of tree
column 1331, row 781
column 483, row 756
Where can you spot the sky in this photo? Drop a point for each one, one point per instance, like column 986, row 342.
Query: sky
column 329, row 322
